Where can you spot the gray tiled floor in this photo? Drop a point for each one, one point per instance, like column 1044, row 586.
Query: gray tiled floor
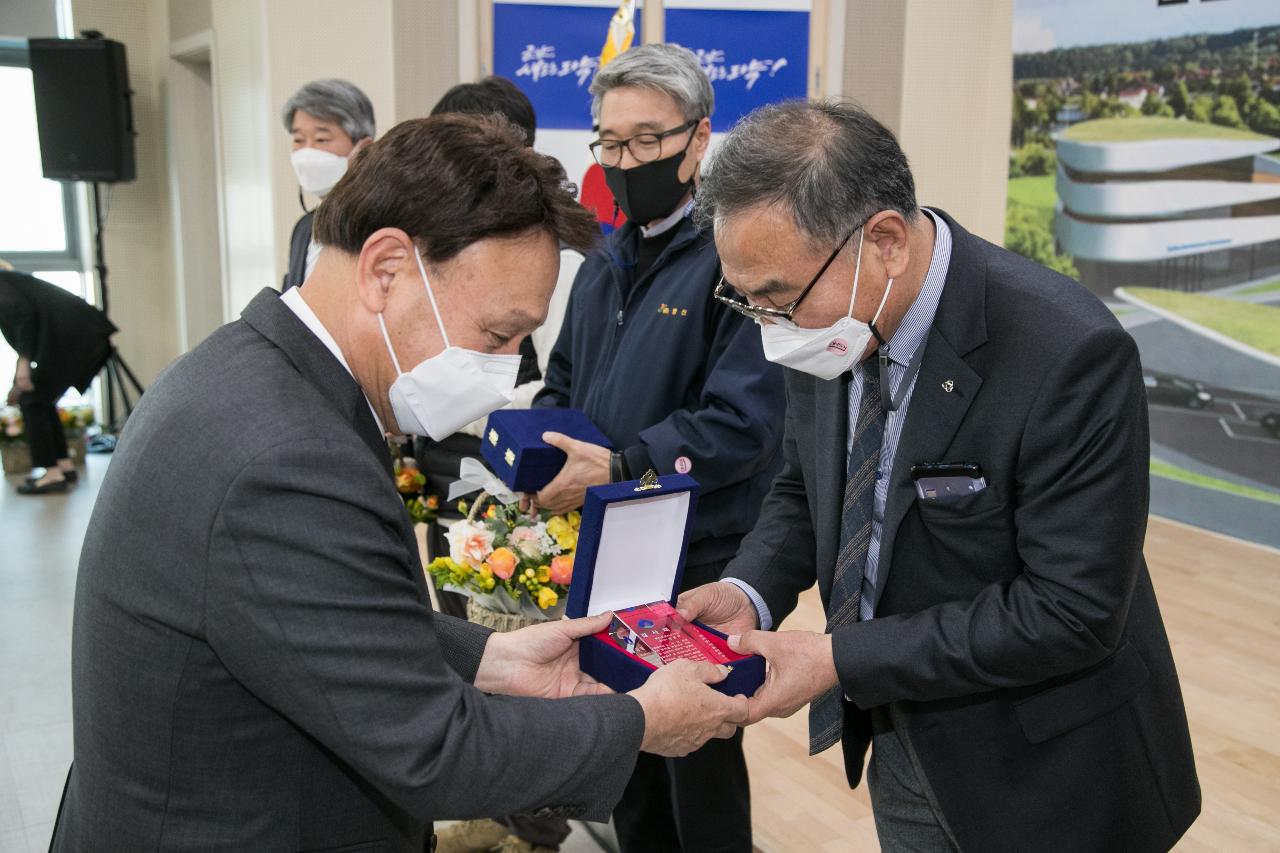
column 39, row 549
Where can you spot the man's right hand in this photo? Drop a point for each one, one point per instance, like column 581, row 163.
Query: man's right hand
column 681, row 712
column 719, row 605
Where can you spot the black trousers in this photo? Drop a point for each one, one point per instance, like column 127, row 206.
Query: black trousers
column 697, row 804
column 45, row 436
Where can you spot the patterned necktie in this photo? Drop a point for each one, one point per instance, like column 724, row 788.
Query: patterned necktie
column 826, row 713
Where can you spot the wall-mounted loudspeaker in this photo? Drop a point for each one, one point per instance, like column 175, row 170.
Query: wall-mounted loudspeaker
column 83, row 109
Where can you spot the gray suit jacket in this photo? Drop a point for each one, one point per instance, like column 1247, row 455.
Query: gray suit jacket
column 256, row 665
column 1017, row 634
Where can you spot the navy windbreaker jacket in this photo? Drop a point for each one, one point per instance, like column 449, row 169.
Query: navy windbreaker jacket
column 669, row 373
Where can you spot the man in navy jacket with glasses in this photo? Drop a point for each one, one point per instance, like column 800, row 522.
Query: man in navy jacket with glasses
column 678, row 382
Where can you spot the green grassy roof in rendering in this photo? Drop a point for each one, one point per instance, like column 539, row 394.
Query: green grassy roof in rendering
column 1147, row 128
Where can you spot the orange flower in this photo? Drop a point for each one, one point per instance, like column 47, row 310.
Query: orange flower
column 433, row 502
column 503, row 562
column 562, row 569
column 410, row 480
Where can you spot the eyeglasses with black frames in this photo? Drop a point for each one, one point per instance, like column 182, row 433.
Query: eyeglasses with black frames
column 726, row 293
column 644, row 147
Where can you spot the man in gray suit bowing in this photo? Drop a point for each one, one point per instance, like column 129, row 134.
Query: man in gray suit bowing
column 965, row 479
column 255, row 661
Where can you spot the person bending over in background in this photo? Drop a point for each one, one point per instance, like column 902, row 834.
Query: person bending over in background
column 62, row 342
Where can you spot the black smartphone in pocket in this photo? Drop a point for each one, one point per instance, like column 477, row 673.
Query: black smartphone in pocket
column 943, row 481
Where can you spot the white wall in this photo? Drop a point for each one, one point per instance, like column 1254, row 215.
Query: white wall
column 244, row 112
column 939, row 73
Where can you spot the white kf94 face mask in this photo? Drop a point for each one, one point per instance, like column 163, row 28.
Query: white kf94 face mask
column 826, row 352
column 317, row 171
column 450, row 390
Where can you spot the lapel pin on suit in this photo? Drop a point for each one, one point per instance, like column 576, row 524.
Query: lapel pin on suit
column 948, row 385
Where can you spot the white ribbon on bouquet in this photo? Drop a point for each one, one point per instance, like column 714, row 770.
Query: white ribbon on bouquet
column 473, row 476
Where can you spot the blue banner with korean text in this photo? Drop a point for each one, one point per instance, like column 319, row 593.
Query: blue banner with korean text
column 752, row 56
column 552, row 51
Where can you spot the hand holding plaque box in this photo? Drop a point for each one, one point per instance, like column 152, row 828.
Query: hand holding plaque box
column 512, row 444
column 631, row 551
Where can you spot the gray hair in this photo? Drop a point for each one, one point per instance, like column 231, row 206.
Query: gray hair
column 336, row 100
column 829, row 162
column 667, row 68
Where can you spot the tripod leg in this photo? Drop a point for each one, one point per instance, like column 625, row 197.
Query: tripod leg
column 133, row 380
column 109, row 373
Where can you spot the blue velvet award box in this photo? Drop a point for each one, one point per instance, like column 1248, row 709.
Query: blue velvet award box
column 513, row 445
column 631, row 552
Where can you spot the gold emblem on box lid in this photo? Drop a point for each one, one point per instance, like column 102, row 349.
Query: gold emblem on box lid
column 493, row 437
column 649, row 482
column 510, row 456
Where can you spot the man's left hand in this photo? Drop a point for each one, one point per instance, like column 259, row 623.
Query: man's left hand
column 801, row 668
column 540, row 661
column 587, row 465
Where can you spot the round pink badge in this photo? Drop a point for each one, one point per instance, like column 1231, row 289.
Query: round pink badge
column 684, row 465
column 838, row 346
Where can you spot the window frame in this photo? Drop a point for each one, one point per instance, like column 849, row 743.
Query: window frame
column 14, row 54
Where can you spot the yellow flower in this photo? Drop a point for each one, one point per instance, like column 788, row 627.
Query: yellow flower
column 547, row 597
column 563, row 531
column 544, row 574
column 558, row 526
column 575, row 519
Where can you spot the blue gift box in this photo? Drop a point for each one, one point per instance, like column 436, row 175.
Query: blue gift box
column 514, row 449
column 632, row 544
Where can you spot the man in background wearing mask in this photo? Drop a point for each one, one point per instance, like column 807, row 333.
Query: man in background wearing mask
column 678, row 382
column 255, row 662
column 329, row 120
column 966, row 481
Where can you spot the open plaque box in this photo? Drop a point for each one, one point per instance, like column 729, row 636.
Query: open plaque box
column 513, row 445
column 631, row 551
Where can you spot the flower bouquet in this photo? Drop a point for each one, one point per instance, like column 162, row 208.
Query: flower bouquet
column 509, row 563
column 410, row 482
column 76, row 420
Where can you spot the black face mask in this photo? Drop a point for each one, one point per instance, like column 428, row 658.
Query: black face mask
column 651, row 190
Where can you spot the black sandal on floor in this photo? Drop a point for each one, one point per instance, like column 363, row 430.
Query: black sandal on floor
column 47, row 489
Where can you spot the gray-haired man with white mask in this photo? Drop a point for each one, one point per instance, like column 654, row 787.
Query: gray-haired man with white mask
column 329, row 122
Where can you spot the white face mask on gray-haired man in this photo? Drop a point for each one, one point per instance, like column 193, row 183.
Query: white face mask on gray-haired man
column 321, row 151
column 826, row 323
